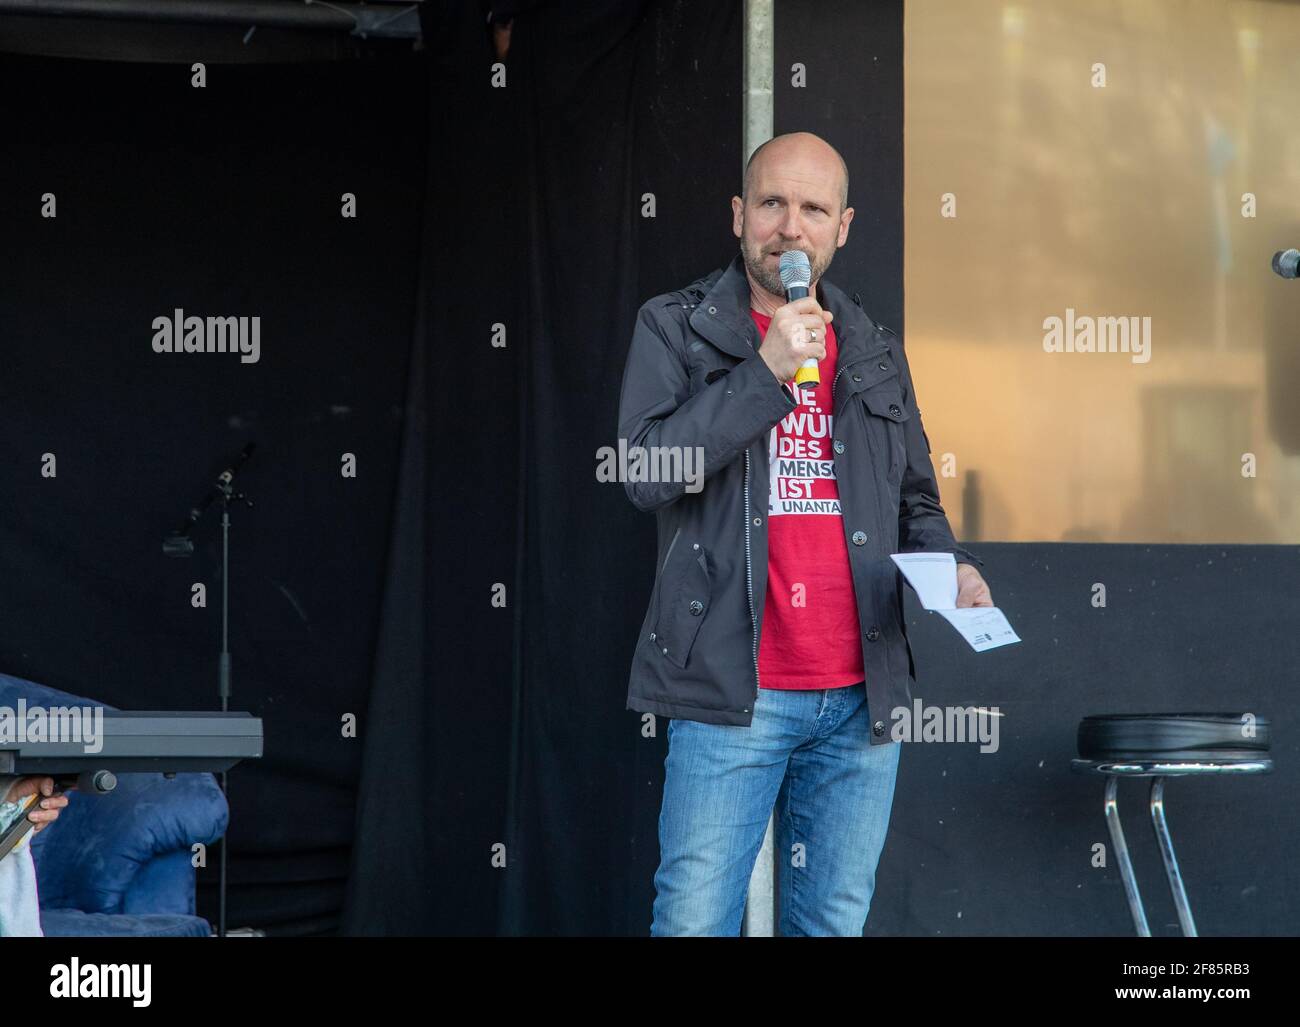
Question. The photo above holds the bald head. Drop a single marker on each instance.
(800, 153)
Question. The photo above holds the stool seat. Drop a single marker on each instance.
(1160, 745)
(1173, 737)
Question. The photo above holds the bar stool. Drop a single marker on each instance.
(1161, 745)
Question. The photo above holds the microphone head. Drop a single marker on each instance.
(794, 269)
(1286, 263)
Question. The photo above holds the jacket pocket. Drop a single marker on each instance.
(685, 591)
(888, 412)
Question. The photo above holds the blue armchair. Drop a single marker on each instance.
(119, 864)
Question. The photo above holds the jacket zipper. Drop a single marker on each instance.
(867, 432)
(749, 575)
(749, 583)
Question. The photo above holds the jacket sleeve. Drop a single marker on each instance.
(657, 409)
(922, 524)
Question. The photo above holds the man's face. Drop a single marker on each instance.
(792, 205)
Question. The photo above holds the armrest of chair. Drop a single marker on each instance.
(91, 856)
(165, 884)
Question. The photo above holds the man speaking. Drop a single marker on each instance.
(774, 638)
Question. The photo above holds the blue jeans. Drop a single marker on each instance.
(806, 755)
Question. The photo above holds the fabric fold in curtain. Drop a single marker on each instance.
(432, 787)
(506, 789)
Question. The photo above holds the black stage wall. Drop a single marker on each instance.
(220, 201)
(604, 103)
(491, 733)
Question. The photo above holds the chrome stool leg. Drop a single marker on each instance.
(1171, 861)
(1121, 854)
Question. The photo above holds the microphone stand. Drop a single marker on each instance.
(223, 672)
(179, 543)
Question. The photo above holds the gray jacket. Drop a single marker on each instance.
(694, 378)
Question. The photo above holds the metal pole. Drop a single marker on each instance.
(760, 908)
(1121, 854)
(1171, 862)
(223, 684)
(758, 71)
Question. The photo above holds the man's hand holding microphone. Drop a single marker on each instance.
(797, 334)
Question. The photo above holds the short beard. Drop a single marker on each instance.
(770, 278)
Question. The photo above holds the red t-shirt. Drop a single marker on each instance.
(810, 617)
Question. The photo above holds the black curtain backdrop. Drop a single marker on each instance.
(507, 724)
(431, 800)
(510, 213)
(649, 101)
(221, 201)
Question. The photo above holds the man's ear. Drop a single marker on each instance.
(737, 217)
(845, 220)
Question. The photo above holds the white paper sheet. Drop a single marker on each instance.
(933, 576)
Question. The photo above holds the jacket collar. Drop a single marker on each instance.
(723, 317)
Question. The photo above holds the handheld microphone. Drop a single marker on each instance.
(796, 276)
(1286, 263)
